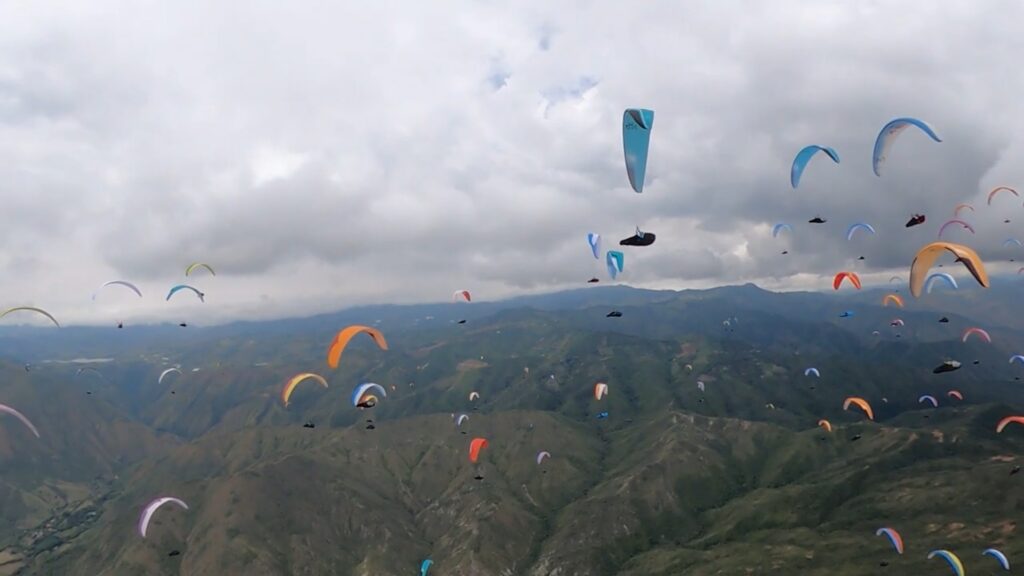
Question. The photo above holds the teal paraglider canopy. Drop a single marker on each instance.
(636, 139)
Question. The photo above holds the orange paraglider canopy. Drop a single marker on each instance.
(862, 404)
(475, 447)
(894, 298)
(927, 256)
(1014, 419)
(342, 338)
(851, 276)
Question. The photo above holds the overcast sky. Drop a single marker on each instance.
(324, 154)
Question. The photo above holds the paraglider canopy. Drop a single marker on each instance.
(291, 383)
(594, 241)
(893, 536)
(1004, 562)
(803, 157)
(147, 512)
(950, 558)
(475, 446)
(860, 403)
(889, 133)
(362, 396)
(193, 266)
(927, 256)
(343, 337)
(21, 417)
(615, 261)
(31, 309)
(851, 277)
(636, 140)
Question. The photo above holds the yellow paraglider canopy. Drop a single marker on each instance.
(927, 256)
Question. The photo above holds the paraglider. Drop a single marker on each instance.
(1011, 241)
(894, 538)
(817, 220)
(889, 132)
(949, 557)
(897, 322)
(700, 385)
(1008, 420)
(90, 370)
(613, 314)
(5, 409)
(291, 383)
(860, 403)
(858, 226)
(1017, 357)
(151, 508)
(947, 366)
(915, 220)
(965, 225)
(128, 285)
(779, 228)
(927, 256)
(202, 297)
(475, 446)
(460, 419)
(1000, 189)
(932, 279)
(955, 394)
(425, 566)
(594, 241)
(636, 139)
(193, 266)
(803, 157)
(31, 309)
(846, 314)
(813, 371)
(639, 239)
(1004, 562)
(851, 277)
(929, 398)
(474, 396)
(894, 299)
(981, 333)
(959, 207)
(361, 397)
(462, 295)
(615, 261)
(542, 455)
(825, 424)
(343, 337)
(160, 379)
(600, 390)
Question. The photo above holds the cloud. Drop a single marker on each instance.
(323, 156)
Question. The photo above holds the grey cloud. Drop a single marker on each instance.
(420, 149)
